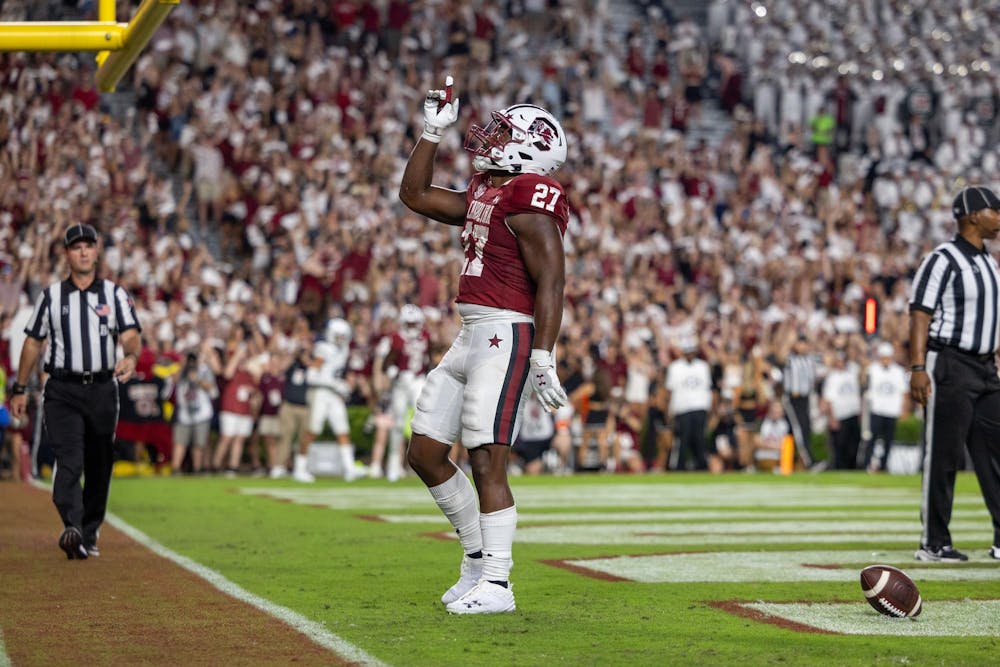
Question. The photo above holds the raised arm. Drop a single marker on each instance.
(415, 190)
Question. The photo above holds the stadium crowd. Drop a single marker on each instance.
(246, 191)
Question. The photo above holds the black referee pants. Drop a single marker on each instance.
(883, 430)
(964, 410)
(689, 440)
(797, 414)
(80, 425)
(845, 440)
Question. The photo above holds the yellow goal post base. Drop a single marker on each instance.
(117, 44)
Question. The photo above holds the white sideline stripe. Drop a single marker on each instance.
(311, 629)
(4, 658)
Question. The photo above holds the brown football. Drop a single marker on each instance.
(890, 591)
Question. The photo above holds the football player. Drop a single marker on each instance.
(510, 297)
(403, 358)
(328, 393)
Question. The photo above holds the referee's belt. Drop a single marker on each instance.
(81, 378)
(941, 347)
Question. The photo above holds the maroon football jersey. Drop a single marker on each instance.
(412, 352)
(494, 273)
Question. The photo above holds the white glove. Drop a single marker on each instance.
(545, 382)
(439, 113)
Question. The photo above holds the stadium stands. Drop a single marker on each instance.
(245, 176)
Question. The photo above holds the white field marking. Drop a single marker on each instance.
(646, 495)
(777, 525)
(4, 658)
(723, 535)
(951, 618)
(311, 629)
(732, 526)
(692, 515)
(774, 566)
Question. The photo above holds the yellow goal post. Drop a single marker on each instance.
(117, 44)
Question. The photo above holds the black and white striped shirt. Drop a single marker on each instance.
(83, 325)
(799, 375)
(959, 286)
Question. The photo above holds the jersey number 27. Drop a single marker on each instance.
(543, 192)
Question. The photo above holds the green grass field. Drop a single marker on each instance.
(609, 570)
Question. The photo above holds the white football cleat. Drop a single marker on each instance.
(304, 476)
(484, 598)
(300, 471)
(278, 472)
(471, 571)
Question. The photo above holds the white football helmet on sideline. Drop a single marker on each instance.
(338, 332)
(520, 139)
(411, 315)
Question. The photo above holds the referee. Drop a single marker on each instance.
(954, 317)
(85, 318)
(798, 379)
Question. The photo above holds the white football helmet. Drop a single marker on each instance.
(520, 139)
(338, 332)
(411, 314)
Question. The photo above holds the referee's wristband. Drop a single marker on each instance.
(918, 367)
(18, 389)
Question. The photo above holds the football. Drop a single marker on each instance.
(890, 591)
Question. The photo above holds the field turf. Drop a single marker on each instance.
(609, 569)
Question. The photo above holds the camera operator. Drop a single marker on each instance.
(293, 416)
(195, 392)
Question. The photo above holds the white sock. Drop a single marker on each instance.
(498, 539)
(301, 463)
(457, 499)
(347, 460)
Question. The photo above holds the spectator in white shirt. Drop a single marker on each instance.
(841, 402)
(689, 397)
(887, 387)
(773, 430)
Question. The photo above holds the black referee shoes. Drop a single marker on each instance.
(71, 541)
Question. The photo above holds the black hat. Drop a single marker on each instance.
(79, 233)
(974, 198)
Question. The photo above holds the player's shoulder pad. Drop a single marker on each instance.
(534, 193)
(523, 183)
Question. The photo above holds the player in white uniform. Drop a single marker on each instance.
(328, 392)
(403, 358)
(510, 298)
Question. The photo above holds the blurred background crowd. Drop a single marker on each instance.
(743, 176)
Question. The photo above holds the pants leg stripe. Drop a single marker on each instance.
(925, 486)
(522, 334)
